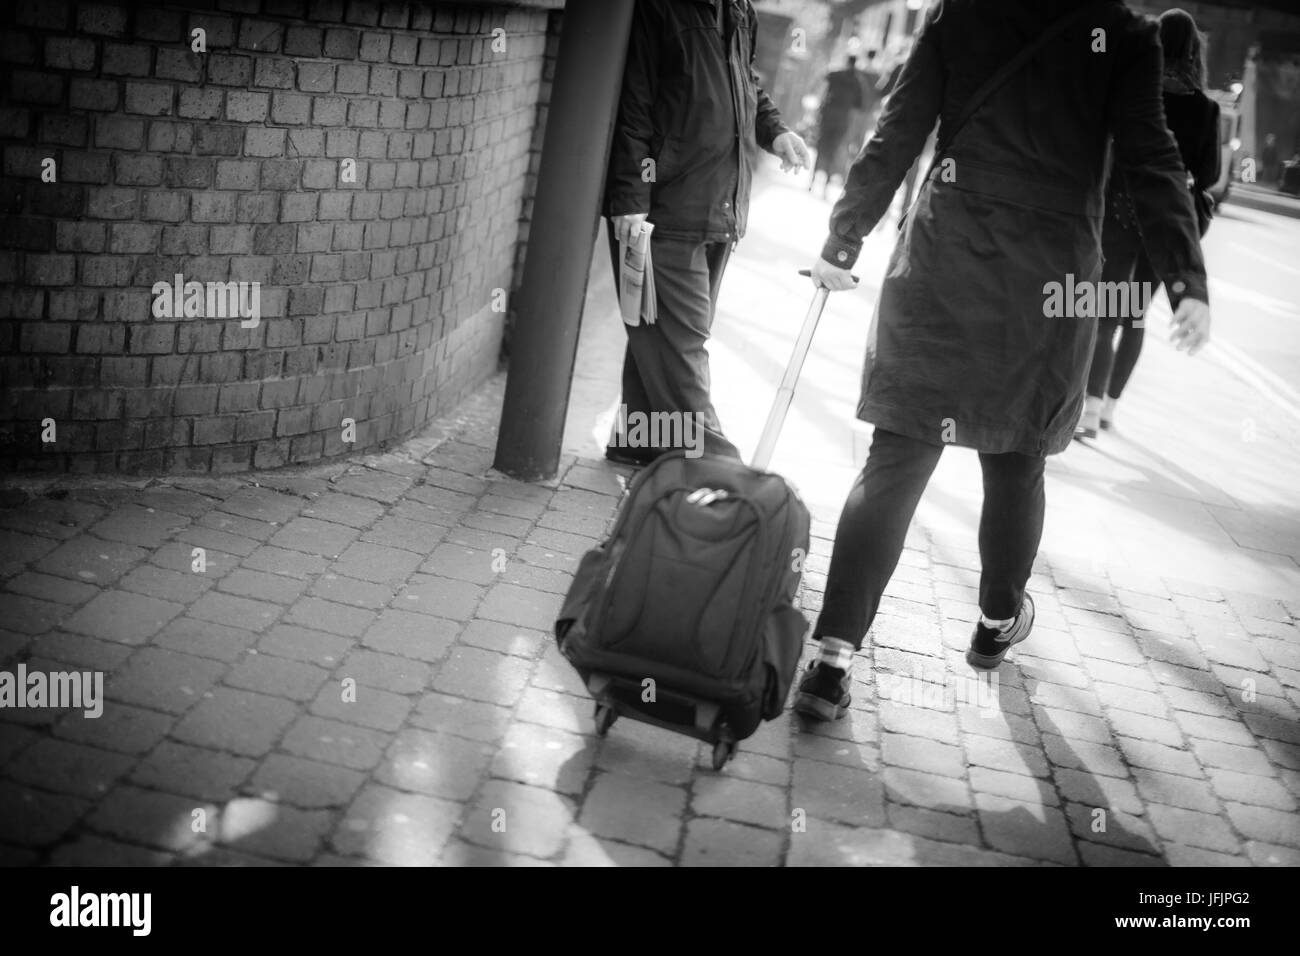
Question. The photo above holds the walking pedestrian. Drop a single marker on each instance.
(689, 109)
(1268, 160)
(842, 100)
(863, 118)
(1193, 118)
(1027, 94)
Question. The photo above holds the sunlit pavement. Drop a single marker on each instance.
(362, 672)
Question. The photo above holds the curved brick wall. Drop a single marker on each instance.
(376, 297)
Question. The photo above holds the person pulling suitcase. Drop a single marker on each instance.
(961, 349)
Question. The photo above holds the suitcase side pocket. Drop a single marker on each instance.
(782, 644)
(584, 592)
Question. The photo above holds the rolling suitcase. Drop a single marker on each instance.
(686, 617)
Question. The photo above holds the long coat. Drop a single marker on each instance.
(965, 346)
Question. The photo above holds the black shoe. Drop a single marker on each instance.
(988, 646)
(623, 456)
(823, 692)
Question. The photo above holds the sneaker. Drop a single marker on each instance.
(1107, 419)
(823, 692)
(1090, 420)
(989, 646)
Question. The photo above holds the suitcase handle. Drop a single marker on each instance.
(807, 274)
(785, 394)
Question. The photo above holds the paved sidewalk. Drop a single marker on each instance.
(363, 671)
(1265, 198)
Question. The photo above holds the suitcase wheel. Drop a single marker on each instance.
(723, 751)
(605, 717)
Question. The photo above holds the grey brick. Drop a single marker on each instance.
(237, 721)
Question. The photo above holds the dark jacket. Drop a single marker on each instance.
(689, 106)
(961, 348)
(1193, 118)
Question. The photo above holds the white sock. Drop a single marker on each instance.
(836, 652)
(996, 625)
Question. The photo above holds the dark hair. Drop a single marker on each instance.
(1184, 45)
(852, 60)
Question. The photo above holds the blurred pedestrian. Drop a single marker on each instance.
(864, 118)
(1193, 118)
(689, 109)
(1268, 155)
(960, 350)
(842, 100)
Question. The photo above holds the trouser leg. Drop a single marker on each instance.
(1011, 527)
(1103, 358)
(871, 532)
(1130, 343)
(666, 366)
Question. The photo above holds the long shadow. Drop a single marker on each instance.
(1156, 479)
(1088, 793)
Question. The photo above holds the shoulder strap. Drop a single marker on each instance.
(1008, 69)
(1001, 75)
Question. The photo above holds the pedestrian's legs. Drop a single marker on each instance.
(1121, 251)
(1130, 343)
(871, 532)
(1011, 526)
(669, 357)
(1103, 358)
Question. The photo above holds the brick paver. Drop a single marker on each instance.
(365, 673)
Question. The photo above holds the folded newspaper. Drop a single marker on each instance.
(636, 287)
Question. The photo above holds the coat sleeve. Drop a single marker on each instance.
(1210, 157)
(626, 192)
(768, 124)
(1148, 157)
(909, 116)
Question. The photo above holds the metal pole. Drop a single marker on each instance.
(566, 215)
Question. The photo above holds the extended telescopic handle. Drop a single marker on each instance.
(785, 394)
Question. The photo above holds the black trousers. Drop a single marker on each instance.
(666, 365)
(873, 526)
(1126, 261)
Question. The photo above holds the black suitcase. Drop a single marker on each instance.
(686, 617)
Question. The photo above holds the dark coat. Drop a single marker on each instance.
(960, 349)
(1193, 118)
(843, 97)
(689, 105)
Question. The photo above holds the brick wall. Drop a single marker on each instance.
(376, 296)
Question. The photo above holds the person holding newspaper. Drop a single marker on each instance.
(689, 110)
